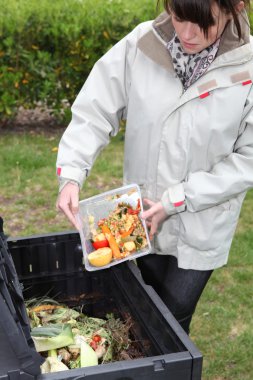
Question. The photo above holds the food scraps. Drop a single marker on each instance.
(69, 339)
(117, 236)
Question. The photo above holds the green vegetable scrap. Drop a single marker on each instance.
(52, 336)
(88, 356)
(69, 339)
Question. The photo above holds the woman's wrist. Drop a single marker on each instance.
(64, 181)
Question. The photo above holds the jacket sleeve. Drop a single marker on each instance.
(228, 178)
(97, 110)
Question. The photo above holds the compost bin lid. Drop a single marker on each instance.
(17, 350)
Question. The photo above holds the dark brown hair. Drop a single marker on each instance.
(200, 11)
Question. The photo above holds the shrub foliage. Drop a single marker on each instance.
(47, 48)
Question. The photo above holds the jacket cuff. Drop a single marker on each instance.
(173, 199)
(72, 174)
(64, 181)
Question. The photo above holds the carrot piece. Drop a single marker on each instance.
(39, 308)
(128, 232)
(112, 242)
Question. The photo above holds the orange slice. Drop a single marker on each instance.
(100, 257)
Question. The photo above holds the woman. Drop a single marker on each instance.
(184, 84)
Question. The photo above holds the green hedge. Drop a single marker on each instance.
(48, 47)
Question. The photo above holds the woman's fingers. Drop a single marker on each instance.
(153, 228)
(67, 211)
(155, 207)
(153, 216)
(68, 202)
(148, 202)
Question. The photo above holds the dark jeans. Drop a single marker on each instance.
(179, 289)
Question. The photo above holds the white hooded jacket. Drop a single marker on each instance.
(194, 145)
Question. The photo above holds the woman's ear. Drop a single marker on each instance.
(239, 7)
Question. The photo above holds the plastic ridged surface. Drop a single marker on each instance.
(169, 355)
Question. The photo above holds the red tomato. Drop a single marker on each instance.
(137, 210)
(93, 345)
(133, 212)
(96, 338)
(100, 244)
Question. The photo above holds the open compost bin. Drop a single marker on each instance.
(52, 265)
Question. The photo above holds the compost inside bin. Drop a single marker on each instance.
(52, 266)
(69, 338)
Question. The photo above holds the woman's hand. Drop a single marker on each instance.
(153, 216)
(68, 202)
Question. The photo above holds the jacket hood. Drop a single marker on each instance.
(154, 42)
(162, 25)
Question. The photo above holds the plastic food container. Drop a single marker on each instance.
(94, 212)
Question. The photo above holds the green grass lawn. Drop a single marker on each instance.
(222, 327)
(28, 184)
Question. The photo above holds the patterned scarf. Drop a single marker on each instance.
(190, 67)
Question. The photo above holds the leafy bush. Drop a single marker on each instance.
(47, 48)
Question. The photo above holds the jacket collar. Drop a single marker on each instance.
(154, 42)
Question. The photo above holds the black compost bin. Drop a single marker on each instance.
(52, 265)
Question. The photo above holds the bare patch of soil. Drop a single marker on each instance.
(37, 120)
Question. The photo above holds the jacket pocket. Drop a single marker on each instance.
(166, 240)
(210, 228)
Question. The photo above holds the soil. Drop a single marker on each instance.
(37, 120)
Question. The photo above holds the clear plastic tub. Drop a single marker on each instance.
(93, 209)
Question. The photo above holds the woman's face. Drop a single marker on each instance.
(192, 38)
